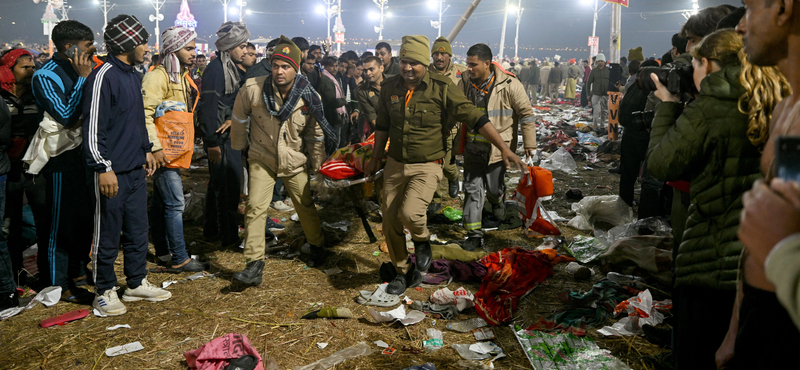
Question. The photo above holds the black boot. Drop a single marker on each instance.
(318, 256)
(452, 188)
(252, 273)
(422, 250)
(9, 300)
(410, 280)
(472, 243)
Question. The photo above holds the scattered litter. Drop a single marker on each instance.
(579, 272)
(555, 217)
(453, 214)
(47, 296)
(630, 280)
(199, 275)
(120, 326)
(406, 318)
(425, 366)
(330, 313)
(341, 226)
(435, 340)
(165, 284)
(334, 271)
(322, 345)
(389, 351)
(467, 325)
(483, 347)
(479, 351)
(361, 349)
(641, 311)
(574, 194)
(562, 161)
(461, 297)
(223, 349)
(407, 300)
(381, 344)
(585, 248)
(483, 334)
(376, 253)
(124, 349)
(65, 318)
(547, 351)
(97, 313)
(608, 208)
(650, 226)
(295, 217)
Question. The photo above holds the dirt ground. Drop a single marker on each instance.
(270, 314)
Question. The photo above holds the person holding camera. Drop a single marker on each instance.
(706, 144)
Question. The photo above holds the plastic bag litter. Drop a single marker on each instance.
(641, 310)
(341, 226)
(589, 139)
(646, 255)
(47, 296)
(359, 350)
(560, 160)
(585, 248)
(478, 351)
(461, 297)
(547, 351)
(656, 226)
(607, 208)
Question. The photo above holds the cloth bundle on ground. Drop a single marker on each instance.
(348, 161)
(443, 270)
(534, 186)
(216, 354)
(589, 310)
(512, 273)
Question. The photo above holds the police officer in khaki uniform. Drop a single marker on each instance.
(369, 89)
(442, 54)
(413, 112)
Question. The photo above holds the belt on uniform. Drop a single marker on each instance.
(438, 161)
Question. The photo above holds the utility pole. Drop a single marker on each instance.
(339, 22)
(503, 34)
(463, 20)
(516, 38)
(616, 32)
(225, 6)
(104, 6)
(438, 25)
(157, 4)
(383, 5)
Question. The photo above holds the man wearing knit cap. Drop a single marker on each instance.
(220, 85)
(597, 88)
(442, 54)
(411, 116)
(170, 82)
(285, 138)
(635, 54)
(573, 71)
(116, 149)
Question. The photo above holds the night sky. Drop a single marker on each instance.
(546, 24)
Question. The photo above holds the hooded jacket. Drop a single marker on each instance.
(507, 107)
(708, 146)
(114, 132)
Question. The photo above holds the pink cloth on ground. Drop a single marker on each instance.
(216, 354)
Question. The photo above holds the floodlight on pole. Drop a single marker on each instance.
(105, 8)
(382, 5)
(329, 10)
(438, 4)
(518, 11)
(506, 8)
(594, 25)
(158, 17)
(225, 6)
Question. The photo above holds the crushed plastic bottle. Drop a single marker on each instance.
(468, 325)
(435, 340)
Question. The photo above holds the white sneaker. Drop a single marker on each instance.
(146, 291)
(281, 206)
(108, 303)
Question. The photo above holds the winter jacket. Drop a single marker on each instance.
(284, 147)
(524, 74)
(544, 75)
(59, 92)
(393, 69)
(215, 106)
(708, 146)
(453, 71)
(556, 75)
(157, 88)
(533, 79)
(114, 132)
(597, 83)
(573, 72)
(25, 119)
(508, 107)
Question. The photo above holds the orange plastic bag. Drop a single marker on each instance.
(538, 183)
(175, 131)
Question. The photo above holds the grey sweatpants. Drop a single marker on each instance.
(480, 179)
(599, 111)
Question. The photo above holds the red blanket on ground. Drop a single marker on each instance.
(216, 354)
(512, 273)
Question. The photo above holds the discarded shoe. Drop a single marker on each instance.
(147, 292)
(453, 188)
(281, 206)
(472, 243)
(252, 273)
(445, 311)
(379, 298)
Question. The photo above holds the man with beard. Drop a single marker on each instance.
(116, 150)
(220, 85)
(170, 81)
(287, 130)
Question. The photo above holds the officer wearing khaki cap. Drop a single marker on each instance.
(413, 112)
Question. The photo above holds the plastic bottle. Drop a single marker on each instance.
(621, 279)
(435, 340)
(468, 325)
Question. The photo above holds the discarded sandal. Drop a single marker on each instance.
(378, 298)
(65, 318)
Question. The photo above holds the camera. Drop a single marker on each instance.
(678, 79)
(643, 119)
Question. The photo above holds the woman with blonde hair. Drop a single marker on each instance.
(706, 143)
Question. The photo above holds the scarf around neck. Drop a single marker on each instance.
(339, 91)
(301, 89)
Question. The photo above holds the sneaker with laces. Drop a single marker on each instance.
(281, 206)
(146, 291)
(273, 226)
(108, 303)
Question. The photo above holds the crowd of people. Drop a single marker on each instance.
(706, 135)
